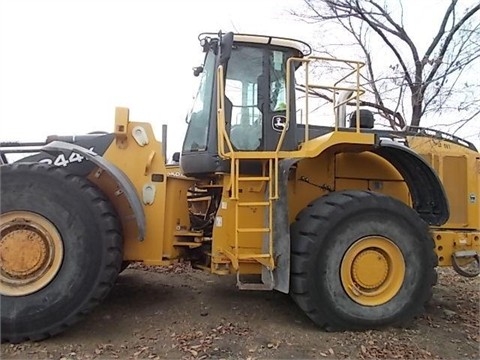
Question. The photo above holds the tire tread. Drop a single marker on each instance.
(306, 240)
(111, 230)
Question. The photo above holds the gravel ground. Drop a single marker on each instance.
(181, 313)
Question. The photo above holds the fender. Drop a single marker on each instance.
(119, 176)
(427, 191)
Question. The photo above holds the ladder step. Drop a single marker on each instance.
(253, 178)
(209, 186)
(264, 259)
(190, 244)
(254, 286)
(188, 233)
(253, 203)
(253, 256)
(253, 230)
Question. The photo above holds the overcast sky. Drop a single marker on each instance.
(65, 65)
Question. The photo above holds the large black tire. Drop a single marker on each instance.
(92, 249)
(326, 230)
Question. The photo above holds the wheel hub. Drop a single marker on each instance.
(23, 252)
(31, 252)
(372, 270)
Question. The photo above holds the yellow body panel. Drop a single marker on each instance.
(459, 170)
(134, 160)
(144, 164)
(344, 171)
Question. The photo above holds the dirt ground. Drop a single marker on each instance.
(180, 313)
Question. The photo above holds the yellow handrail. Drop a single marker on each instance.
(222, 136)
(357, 90)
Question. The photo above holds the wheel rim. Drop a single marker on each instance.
(372, 270)
(31, 253)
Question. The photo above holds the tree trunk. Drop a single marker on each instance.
(417, 105)
(416, 115)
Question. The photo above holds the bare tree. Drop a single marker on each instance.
(434, 81)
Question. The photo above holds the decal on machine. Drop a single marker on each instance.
(62, 160)
(279, 122)
(176, 174)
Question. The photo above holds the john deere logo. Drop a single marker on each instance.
(279, 122)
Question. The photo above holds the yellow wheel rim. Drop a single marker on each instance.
(372, 270)
(31, 253)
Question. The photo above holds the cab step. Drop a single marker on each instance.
(263, 284)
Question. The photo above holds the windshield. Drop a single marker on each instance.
(198, 119)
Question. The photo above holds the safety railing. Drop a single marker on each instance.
(344, 90)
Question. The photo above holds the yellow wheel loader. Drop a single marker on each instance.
(351, 220)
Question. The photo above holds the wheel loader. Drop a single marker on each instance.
(350, 220)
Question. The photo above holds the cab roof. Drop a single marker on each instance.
(299, 45)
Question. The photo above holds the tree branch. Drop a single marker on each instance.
(441, 31)
(447, 42)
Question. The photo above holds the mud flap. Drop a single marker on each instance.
(281, 229)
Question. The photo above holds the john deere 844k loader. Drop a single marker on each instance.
(350, 220)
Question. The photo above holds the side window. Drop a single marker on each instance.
(277, 81)
(234, 91)
(241, 88)
(243, 96)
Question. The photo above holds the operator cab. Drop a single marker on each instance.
(255, 78)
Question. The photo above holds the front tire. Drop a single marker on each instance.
(61, 250)
(361, 260)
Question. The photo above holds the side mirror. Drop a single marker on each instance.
(197, 70)
(226, 44)
(176, 157)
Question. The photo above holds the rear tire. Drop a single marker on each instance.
(361, 260)
(88, 240)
